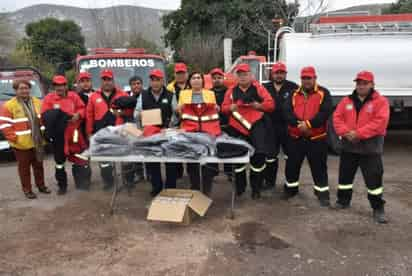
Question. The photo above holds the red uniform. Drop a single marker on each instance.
(200, 117)
(99, 113)
(66, 137)
(371, 121)
(243, 119)
(74, 141)
(308, 108)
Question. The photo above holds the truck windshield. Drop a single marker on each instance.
(123, 69)
(7, 92)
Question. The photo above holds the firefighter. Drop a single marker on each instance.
(158, 97)
(280, 89)
(136, 86)
(361, 120)
(218, 77)
(199, 113)
(307, 111)
(102, 112)
(181, 80)
(245, 105)
(62, 112)
(21, 126)
(85, 87)
(180, 83)
(134, 171)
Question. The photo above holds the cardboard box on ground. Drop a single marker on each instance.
(178, 206)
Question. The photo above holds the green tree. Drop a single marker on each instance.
(246, 22)
(401, 6)
(57, 42)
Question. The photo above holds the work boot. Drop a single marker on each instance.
(379, 216)
(341, 206)
(256, 194)
(62, 191)
(324, 202)
(288, 195)
(30, 195)
(44, 190)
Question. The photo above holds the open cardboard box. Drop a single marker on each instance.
(178, 205)
(151, 117)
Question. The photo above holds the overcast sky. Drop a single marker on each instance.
(6, 5)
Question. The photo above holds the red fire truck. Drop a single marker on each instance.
(125, 64)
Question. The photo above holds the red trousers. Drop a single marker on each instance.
(25, 160)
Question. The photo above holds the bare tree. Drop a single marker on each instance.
(314, 8)
(203, 52)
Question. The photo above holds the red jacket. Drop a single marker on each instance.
(74, 141)
(99, 114)
(371, 121)
(243, 119)
(199, 117)
(314, 109)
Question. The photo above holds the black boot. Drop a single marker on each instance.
(256, 184)
(106, 171)
(379, 216)
(81, 176)
(61, 177)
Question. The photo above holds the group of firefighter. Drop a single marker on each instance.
(279, 116)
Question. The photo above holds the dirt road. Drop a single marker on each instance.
(75, 235)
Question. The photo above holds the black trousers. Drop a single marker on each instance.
(209, 171)
(372, 170)
(257, 167)
(81, 173)
(317, 154)
(60, 160)
(154, 170)
(272, 160)
(130, 170)
(107, 173)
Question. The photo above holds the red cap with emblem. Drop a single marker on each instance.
(106, 73)
(59, 80)
(156, 73)
(308, 72)
(84, 75)
(279, 67)
(217, 71)
(365, 76)
(180, 67)
(243, 67)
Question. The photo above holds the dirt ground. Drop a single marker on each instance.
(75, 235)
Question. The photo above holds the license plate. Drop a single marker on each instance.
(4, 145)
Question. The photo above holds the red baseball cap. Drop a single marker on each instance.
(243, 67)
(59, 80)
(156, 73)
(106, 73)
(217, 71)
(365, 76)
(308, 72)
(84, 75)
(279, 66)
(180, 67)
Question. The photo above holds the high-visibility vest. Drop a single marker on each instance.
(200, 117)
(15, 125)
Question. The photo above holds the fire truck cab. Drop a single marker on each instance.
(125, 64)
